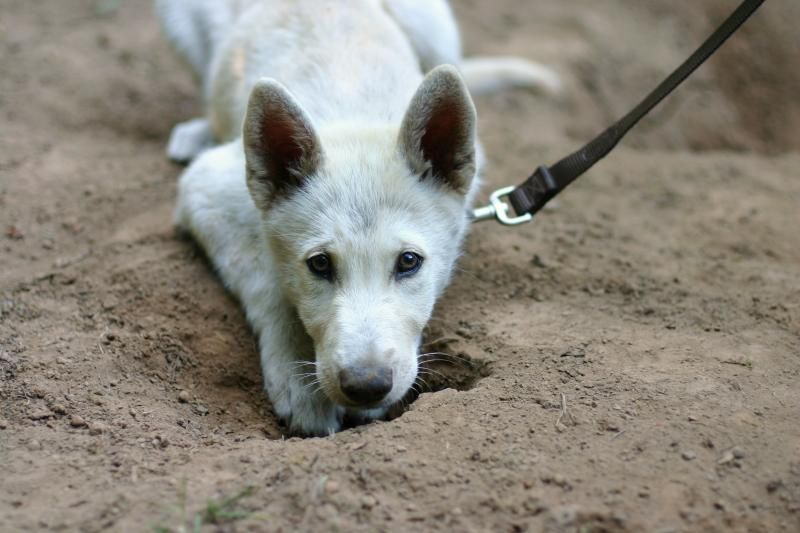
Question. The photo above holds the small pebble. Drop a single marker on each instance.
(97, 428)
(774, 485)
(692, 418)
(737, 452)
(34, 445)
(183, 396)
(59, 409)
(689, 455)
(3, 424)
(354, 446)
(726, 458)
(328, 510)
(41, 414)
(76, 421)
(331, 487)
(38, 391)
(368, 502)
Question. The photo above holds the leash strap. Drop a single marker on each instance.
(545, 183)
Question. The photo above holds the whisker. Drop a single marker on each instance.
(432, 372)
(451, 358)
(304, 363)
(404, 404)
(308, 385)
(435, 361)
(424, 382)
(304, 375)
(442, 353)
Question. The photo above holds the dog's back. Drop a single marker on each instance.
(343, 61)
(359, 54)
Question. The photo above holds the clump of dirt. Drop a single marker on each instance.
(627, 362)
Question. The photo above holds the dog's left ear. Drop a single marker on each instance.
(281, 147)
(437, 135)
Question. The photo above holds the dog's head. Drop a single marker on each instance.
(365, 224)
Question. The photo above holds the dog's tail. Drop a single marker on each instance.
(489, 74)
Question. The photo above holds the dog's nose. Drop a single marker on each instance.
(366, 384)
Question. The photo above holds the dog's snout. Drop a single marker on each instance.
(366, 385)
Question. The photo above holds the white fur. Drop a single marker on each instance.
(198, 29)
(489, 74)
(346, 150)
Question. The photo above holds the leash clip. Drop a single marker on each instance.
(499, 209)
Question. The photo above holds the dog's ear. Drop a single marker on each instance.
(280, 145)
(437, 135)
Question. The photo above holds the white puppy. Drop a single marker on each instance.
(337, 212)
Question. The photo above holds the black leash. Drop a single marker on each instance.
(545, 183)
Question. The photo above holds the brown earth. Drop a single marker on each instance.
(660, 300)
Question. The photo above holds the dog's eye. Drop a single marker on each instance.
(320, 265)
(408, 263)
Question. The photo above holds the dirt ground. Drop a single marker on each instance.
(660, 300)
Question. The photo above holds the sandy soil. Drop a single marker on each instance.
(661, 300)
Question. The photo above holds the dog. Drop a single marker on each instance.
(331, 182)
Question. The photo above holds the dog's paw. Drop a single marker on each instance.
(189, 139)
(357, 417)
(305, 413)
(314, 418)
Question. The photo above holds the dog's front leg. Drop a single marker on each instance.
(291, 381)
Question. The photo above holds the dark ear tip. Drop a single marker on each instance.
(447, 74)
(446, 81)
(445, 68)
(266, 88)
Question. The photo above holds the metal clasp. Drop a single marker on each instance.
(499, 209)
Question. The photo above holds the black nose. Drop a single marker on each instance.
(366, 385)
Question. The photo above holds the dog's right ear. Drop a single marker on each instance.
(437, 135)
(280, 145)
